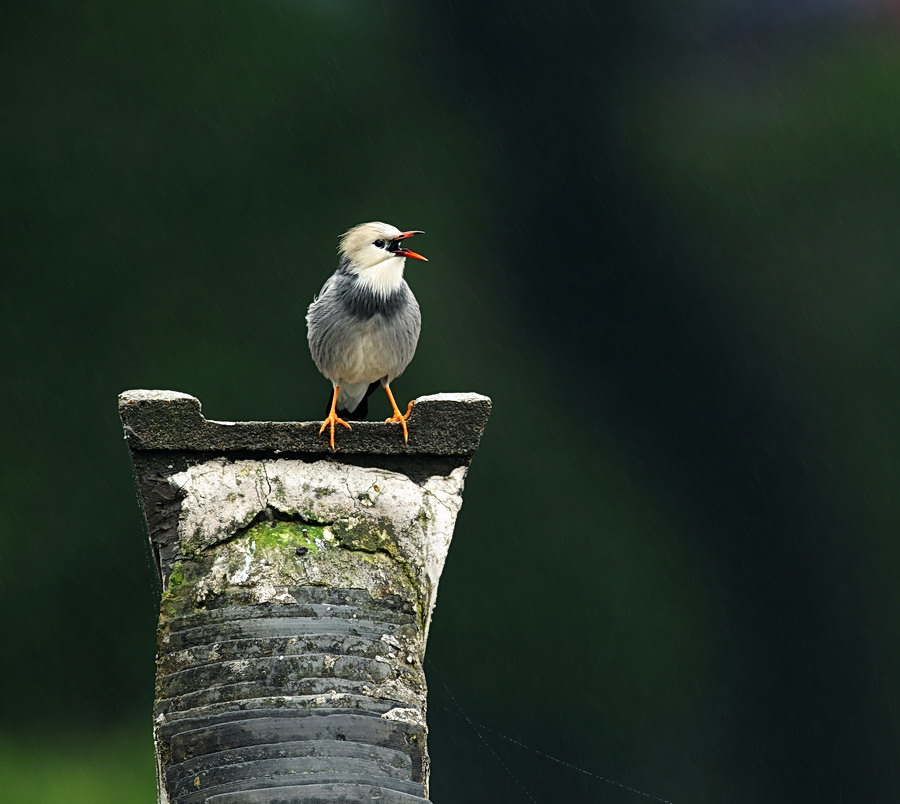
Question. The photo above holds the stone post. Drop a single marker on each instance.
(298, 587)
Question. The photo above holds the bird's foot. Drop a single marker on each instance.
(331, 420)
(401, 417)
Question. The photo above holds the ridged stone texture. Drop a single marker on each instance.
(313, 700)
(297, 592)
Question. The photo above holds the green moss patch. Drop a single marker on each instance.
(280, 535)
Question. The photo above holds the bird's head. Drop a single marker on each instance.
(372, 245)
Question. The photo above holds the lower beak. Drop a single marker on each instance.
(404, 252)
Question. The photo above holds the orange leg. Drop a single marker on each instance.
(398, 416)
(332, 419)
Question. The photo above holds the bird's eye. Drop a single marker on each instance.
(378, 244)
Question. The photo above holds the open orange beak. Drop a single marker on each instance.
(397, 249)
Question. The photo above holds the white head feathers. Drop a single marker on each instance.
(365, 247)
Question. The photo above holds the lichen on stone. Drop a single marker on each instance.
(330, 524)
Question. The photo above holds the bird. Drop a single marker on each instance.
(363, 326)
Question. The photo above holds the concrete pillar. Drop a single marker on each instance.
(298, 587)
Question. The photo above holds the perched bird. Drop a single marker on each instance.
(364, 324)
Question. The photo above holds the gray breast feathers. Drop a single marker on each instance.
(359, 336)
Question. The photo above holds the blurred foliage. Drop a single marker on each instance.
(95, 767)
(662, 240)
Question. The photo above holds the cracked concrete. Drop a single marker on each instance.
(298, 588)
(379, 510)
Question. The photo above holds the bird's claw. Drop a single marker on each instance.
(332, 419)
(401, 417)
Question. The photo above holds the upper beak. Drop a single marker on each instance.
(404, 252)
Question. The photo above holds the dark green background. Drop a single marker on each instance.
(663, 238)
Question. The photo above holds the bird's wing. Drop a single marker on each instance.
(405, 327)
(317, 324)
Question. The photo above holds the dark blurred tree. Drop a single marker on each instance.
(665, 237)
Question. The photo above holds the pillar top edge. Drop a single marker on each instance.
(440, 424)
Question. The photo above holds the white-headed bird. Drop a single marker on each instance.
(364, 324)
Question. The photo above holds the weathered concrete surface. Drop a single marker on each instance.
(349, 507)
(440, 424)
(298, 589)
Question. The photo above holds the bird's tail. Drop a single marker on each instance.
(360, 410)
